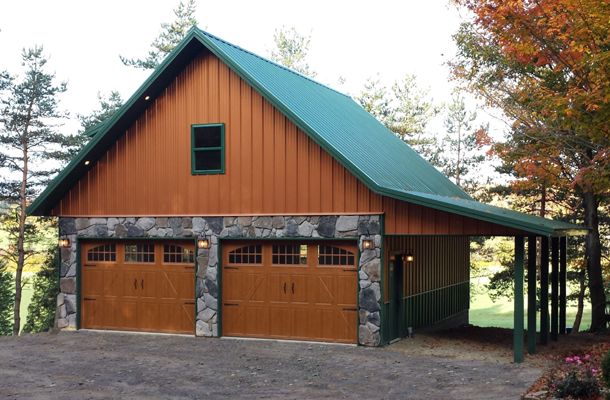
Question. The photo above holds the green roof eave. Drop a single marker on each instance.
(45, 200)
(486, 212)
(462, 204)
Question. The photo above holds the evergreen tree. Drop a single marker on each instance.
(405, 109)
(6, 300)
(291, 49)
(108, 105)
(30, 147)
(461, 147)
(171, 34)
(41, 311)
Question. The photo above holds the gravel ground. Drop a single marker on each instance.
(109, 365)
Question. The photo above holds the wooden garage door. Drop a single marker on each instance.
(138, 286)
(286, 290)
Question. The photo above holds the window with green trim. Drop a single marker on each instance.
(208, 149)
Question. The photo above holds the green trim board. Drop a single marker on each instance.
(198, 150)
(382, 161)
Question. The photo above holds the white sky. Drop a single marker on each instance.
(352, 39)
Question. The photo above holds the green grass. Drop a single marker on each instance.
(487, 313)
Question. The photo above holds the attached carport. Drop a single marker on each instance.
(552, 236)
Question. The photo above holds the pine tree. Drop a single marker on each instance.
(171, 34)
(461, 147)
(29, 151)
(108, 105)
(291, 49)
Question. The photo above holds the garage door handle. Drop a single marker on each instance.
(142, 284)
(284, 287)
(292, 287)
(135, 283)
(189, 302)
(89, 298)
(230, 304)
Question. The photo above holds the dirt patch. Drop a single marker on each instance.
(95, 365)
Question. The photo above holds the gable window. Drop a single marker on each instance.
(208, 149)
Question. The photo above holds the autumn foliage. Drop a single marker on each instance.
(546, 65)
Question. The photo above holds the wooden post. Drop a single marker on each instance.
(518, 294)
(544, 290)
(531, 294)
(562, 284)
(554, 288)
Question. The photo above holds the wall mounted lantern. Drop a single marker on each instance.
(64, 242)
(409, 257)
(203, 243)
(368, 244)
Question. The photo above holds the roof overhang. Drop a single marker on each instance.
(106, 133)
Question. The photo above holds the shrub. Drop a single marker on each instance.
(577, 385)
(7, 300)
(606, 369)
(41, 311)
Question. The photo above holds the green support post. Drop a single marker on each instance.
(562, 285)
(531, 294)
(544, 290)
(518, 312)
(554, 288)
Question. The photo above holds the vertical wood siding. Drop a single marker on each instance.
(403, 218)
(436, 284)
(271, 166)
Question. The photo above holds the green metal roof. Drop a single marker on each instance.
(385, 163)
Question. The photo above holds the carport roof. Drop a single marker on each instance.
(385, 163)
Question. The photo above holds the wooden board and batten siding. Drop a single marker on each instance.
(436, 284)
(272, 167)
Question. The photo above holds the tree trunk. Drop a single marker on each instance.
(581, 301)
(593, 258)
(20, 243)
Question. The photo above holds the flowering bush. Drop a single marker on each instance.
(580, 378)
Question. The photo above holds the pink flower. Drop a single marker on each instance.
(569, 359)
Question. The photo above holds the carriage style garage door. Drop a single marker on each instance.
(139, 286)
(286, 290)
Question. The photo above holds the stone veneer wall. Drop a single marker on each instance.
(215, 228)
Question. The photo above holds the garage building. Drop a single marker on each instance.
(231, 196)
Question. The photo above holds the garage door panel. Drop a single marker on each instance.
(323, 291)
(139, 295)
(345, 291)
(277, 321)
(176, 284)
(278, 288)
(233, 322)
(257, 320)
(112, 282)
(299, 288)
(296, 299)
(90, 286)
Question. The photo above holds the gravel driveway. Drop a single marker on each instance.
(109, 365)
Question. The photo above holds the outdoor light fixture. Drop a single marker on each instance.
(409, 257)
(203, 243)
(64, 242)
(87, 162)
(147, 98)
(368, 244)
